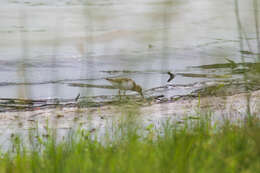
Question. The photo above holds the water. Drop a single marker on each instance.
(45, 45)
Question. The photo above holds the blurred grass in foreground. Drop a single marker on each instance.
(195, 146)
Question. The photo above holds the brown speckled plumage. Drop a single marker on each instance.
(125, 84)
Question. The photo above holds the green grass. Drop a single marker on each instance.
(196, 147)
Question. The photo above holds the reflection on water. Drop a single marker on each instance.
(47, 44)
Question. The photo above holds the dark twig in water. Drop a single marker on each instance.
(77, 98)
(172, 76)
(232, 63)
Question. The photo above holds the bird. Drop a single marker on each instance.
(125, 84)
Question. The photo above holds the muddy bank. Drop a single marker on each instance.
(233, 107)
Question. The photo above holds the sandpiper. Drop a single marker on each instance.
(125, 84)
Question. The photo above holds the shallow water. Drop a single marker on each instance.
(45, 45)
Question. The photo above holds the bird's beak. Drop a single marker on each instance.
(141, 94)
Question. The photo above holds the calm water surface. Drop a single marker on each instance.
(45, 45)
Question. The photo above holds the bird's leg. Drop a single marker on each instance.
(124, 92)
(141, 95)
(119, 94)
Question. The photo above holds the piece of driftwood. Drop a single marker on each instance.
(17, 104)
(91, 86)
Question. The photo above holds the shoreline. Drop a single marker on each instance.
(220, 107)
